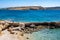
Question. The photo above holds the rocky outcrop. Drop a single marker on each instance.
(46, 24)
(27, 27)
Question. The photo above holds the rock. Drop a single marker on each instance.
(27, 27)
(27, 38)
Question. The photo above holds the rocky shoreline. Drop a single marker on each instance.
(27, 27)
(23, 31)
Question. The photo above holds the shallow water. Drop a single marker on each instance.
(47, 34)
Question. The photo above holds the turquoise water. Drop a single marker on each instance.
(35, 16)
(47, 34)
(30, 15)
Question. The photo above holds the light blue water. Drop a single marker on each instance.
(35, 16)
(30, 15)
(47, 34)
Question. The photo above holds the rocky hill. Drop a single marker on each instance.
(31, 8)
(24, 8)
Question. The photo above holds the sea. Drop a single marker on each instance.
(30, 15)
(35, 16)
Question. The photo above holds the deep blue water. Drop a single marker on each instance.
(30, 15)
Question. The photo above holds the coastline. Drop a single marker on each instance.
(23, 31)
(27, 27)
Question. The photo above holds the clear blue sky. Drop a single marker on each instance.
(14, 3)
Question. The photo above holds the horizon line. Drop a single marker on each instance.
(28, 6)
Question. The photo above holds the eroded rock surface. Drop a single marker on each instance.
(17, 31)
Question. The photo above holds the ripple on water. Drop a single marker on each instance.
(47, 34)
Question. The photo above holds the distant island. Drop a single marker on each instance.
(24, 8)
(31, 8)
(53, 8)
